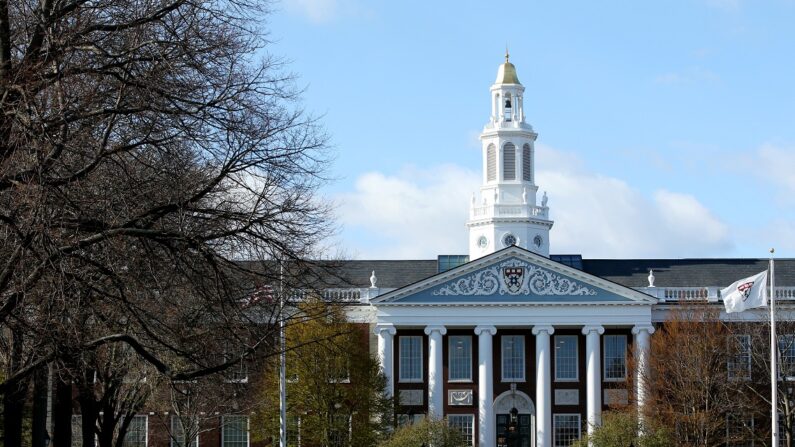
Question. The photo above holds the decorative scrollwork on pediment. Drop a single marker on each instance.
(514, 277)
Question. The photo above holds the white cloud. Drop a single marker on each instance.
(689, 75)
(420, 213)
(324, 11)
(416, 213)
(775, 164)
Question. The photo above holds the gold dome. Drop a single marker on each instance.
(506, 74)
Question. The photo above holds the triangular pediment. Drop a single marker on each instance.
(513, 276)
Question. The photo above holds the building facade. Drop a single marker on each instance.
(511, 335)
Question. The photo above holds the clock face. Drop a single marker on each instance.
(483, 242)
(509, 240)
(538, 241)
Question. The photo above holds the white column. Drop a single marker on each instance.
(386, 335)
(642, 343)
(543, 386)
(593, 374)
(435, 371)
(485, 385)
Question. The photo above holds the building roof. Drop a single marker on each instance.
(687, 272)
(627, 272)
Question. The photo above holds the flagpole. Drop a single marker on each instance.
(773, 353)
(282, 365)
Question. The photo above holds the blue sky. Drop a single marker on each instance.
(666, 129)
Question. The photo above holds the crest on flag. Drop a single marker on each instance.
(745, 289)
(512, 276)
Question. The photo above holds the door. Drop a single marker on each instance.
(518, 435)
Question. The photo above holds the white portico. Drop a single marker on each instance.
(514, 348)
(509, 301)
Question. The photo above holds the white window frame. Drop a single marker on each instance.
(349, 418)
(730, 369)
(404, 419)
(579, 425)
(223, 428)
(576, 340)
(172, 441)
(450, 351)
(469, 417)
(788, 345)
(735, 418)
(604, 357)
(502, 359)
(297, 430)
(401, 375)
(146, 430)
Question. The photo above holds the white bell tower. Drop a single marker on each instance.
(507, 213)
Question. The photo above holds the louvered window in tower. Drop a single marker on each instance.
(491, 163)
(509, 162)
(527, 174)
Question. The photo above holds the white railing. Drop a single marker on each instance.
(509, 211)
(711, 294)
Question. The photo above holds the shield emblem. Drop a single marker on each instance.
(512, 276)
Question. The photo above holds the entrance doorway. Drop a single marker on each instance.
(514, 419)
(514, 433)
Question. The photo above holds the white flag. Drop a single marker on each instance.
(746, 293)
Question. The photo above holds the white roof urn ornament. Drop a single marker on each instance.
(373, 279)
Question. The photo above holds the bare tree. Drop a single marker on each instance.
(143, 153)
(690, 388)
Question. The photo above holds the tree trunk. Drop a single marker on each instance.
(38, 430)
(62, 414)
(88, 407)
(14, 398)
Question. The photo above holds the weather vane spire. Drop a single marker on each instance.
(507, 55)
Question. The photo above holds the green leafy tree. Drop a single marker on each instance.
(621, 429)
(335, 387)
(426, 433)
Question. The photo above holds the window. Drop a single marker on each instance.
(527, 158)
(410, 358)
(565, 429)
(237, 373)
(565, 357)
(178, 433)
(340, 430)
(234, 431)
(447, 262)
(615, 357)
(739, 431)
(460, 357)
(512, 358)
(739, 363)
(136, 433)
(293, 431)
(339, 370)
(465, 423)
(408, 419)
(491, 163)
(77, 431)
(786, 348)
(509, 162)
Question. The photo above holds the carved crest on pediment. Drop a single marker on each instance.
(514, 277)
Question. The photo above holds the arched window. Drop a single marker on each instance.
(491, 163)
(527, 173)
(507, 111)
(509, 162)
